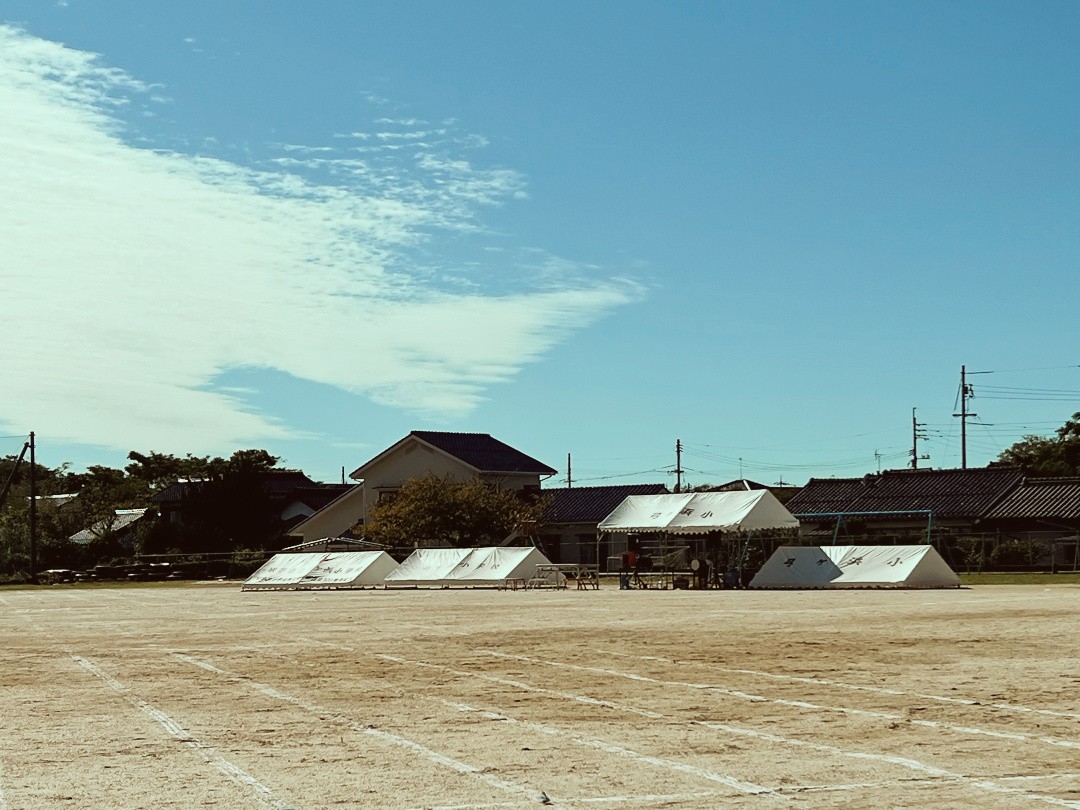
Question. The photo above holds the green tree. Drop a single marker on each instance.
(431, 510)
(1054, 455)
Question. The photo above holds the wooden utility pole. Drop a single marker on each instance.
(33, 511)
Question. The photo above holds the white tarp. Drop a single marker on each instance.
(444, 567)
(490, 566)
(283, 570)
(700, 512)
(427, 566)
(349, 569)
(322, 569)
(855, 567)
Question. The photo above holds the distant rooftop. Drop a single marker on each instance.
(591, 504)
(967, 493)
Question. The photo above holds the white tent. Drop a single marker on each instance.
(855, 567)
(700, 512)
(338, 569)
(427, 566)
(283, 570)
(349, 569)
(490, 566)
(462, 567)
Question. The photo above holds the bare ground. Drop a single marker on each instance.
(209, 697)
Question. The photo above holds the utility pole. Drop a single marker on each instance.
(915, 436)
(678, 465)
(33, 512)
(569, 476)
(966, 392)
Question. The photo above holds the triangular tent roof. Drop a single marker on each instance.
(349, 569)
(334, 569)
(699, 512)
(283, 570)
(443, 567)
(490, 566)
(427, 566)
(855, 567)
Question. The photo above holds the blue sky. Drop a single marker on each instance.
(769, 230)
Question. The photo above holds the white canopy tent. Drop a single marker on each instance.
(283, 571)
(349, 569)
(699, 513)
(336, 569)
(465, 567)
(491, 566)
(427, 566)
(856, 567)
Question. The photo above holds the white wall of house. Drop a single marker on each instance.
(333, 520)
(386, 475)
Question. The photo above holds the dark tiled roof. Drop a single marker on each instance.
(948, 493)
(276, 482)
(484, 452)
(591, 504)
(1046, 498)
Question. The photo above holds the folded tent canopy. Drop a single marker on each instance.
(856, 567)
(464, 567)
(335, 569)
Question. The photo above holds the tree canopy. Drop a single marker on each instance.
(1048, 455)
(228, 508)
(431, 510)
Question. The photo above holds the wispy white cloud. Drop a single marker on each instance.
(132, 278)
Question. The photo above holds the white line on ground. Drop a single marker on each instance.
(747, 788)
(3, 801)
(798, 704)
(523, 686)
(903, 762)
(263, 794)
(881, 690)
(386, 736)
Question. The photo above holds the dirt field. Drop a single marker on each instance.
(204, 696)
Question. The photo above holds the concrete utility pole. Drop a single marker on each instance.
(915, 436)
(569, 476)
(678, 465)
(966, 391)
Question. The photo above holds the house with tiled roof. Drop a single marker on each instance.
(572, 515)
(1043, 505)
(902, 503)
(455, 456)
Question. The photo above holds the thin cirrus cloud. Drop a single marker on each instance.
(133, 278)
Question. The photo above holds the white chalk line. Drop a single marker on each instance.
(881, 690)
(387, 737)
(514, 684)
(799, 704)
(738, 785)
(263, 794)
(903, 762)
(607, 704)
